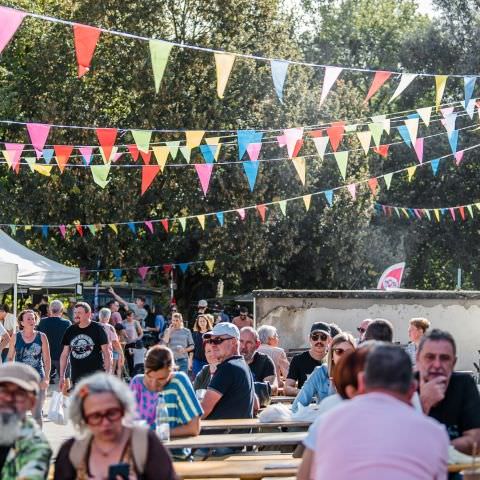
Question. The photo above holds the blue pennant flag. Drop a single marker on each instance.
(469, 86)
(220, 218)
(329, 196)
(413, 115)
(208, 152)
(443, 210)
(131, 226)
(453, 140)
(403, 131)
(279, 73)
(244, 138)
(48, 154)
(117, 273)
(44, 231)
(251, 171)
(434, 164)
(411, 213)
(183, 266)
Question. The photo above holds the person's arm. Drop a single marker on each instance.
(290, 387)
(188, 429)
(166, 335)
(272, 380)
(158, 464)
(11, 348)
(64, 470)
(283, 365)
(190, 345)
(466, 442)
(306, 393)
(5, 340)
(63, 366)
(118, 348)
(304, 471)
(107, 364)
(138, 328)
(211, 398)
(270, 375)
(46, 361)
(33, 460)
(118, 298)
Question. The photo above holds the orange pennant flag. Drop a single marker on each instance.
(335, 134)
(382, 150)
(262, 210)
(149, 172)
(62, 154)
(380, 78)
(85, 39)
(373, 185)
(107, 137)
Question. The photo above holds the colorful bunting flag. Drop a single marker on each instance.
(142, 271)
(405, 80)
(459, 157)
(434, 164)
(223, 64)
(164, 223)
(365, 138)
(204, 172)
(382, 150)
(201, 221)
(253, 151)
(380, 78)
(241, 213)
(279, 70)
(208, 152)
(106, 138)
(62, 154)
(215, 146)
(220, 218)
(331, 75)
(283, 207)
(373, 185)
(377, 130)
(411, 172)
(469, 86)
(440, 82)
(38, 133)
(86, 154)
(173, 148)
(210, 264)
(403, 131)
(299, 164)
(31, 161)
(419, 149)
(262, 209)
(335, 134)
(159, 53)
(194, 138)
(142, 139)
(43, 169)
(16, 149)
(161, 155)
(85, 39)
(329, 196)
(425, 114)
(412, 127)
(321, 145)
(342, 160)
(100, 174)
(10, 20)
(291, 137)
(453, 140)
(306, 200)
(251, 171)
(149, 172)
(352, 188)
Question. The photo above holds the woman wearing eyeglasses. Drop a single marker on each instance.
(319, 382)
(100, 408)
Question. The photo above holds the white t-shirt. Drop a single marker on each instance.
(10, 322)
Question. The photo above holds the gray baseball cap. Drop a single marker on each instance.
(20, 374)
(223, 328)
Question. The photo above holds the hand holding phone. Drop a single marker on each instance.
(119, 471)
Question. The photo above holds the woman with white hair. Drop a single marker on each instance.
(269, 340)
(114, 346)
(101, 407)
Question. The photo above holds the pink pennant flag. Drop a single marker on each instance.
(86, 154)
(292, 136)
(204, 172)
(149, 225)
(419, 149)
(241, 213)
(418, 213)
(253, 150)
(447, 111)
(38, 136)
(116, 156)
(380, 78)
(10, 20)
(63, 230)
(142, 271)
(352, 188)
(459, 157)
(17, 149)
(452, 213)
(281, 140)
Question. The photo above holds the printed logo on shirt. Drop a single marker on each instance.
(31, 355)
(81, 346)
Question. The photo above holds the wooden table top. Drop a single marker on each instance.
(282, 399)
(237, 423)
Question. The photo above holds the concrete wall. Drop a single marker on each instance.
(293, 312)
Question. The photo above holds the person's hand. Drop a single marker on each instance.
(44, 384)
(432, 392)
(110, 290)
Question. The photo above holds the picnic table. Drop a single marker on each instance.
(254, 423)
(282, 399)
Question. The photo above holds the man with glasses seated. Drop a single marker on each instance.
(303, 364)
(24, 450)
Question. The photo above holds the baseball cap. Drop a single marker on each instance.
(224, 328)
(20, 374)
(320, 327)
(202, 303)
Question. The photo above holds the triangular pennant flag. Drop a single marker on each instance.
(38, 133)
(78, 227)
(13, 228)
(208, 152)
(183, 222)
(194, 138)
(434, 164)
(31, 161)
(335, 134)
(297, 148)
(440, 82)
(419, 149)
(204, 172)
(146, 156)
(173, 148)
(142, 271)
(342, 160)
(112, 154)
(459, 157)
(373, 185)
(329, 196)
(425, 114)
(167, 269)
(86, 154)
(48, 154)
(142, 139)
(10, 19)
(321, 145)
(186, 152)
(470, 108)
(452, 213)
(16, 149)
(245, 138)
(161, 155)
(262, 209)
(377, 130)
(223, 65)
(220, 218)
(149, 172)
(113, 226)
(470, 210)
(63, 230)
(469, 83)
(380, 78)
(411, 172)
(132, 227)
(299, 164)
(210, 264)
(100, 174)
(159, 53)
(43, 169)
(352, 188)
(201, 221)
(306, 200)
(292, 136)
(462, 212)
(279, 70)
(283, 207)
(241, 213)
(427, 213)
(437, 214)
(44, 231)
(106, 138)
(251, 171)
(383, 120)
(85, 38)
(9, 156)
(253, 151)
(412, 127)
(183, 267)
(382, 150)
(403, 131)
(117, 273)
(405, 80)
(331, 75)
(215, 146)
(92, 229)
(365, 139)
(62, 154)
(133, 150)
(453, 140)
(164, 223)
(446, 111)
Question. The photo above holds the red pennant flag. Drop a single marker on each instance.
(134, 152)
(380, 78)
(85, 39)
(164, 222)
(79, 229)
(62, 154)
(167, 269)
(261, 210)
(298, 146)
(316, 133)
(149, 172)
(382, 150)
(335, 134)
(462, 212)
(146, 156)
(373, 185)
(107, 137)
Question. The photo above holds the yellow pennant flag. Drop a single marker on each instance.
(299, 164)
(161, 155)
(405, 212)
(411, 171)
(216, 142)
(437, 214)
(43, 169)
(194, 138)
(223, 63)
(306, 200)
(477, 205)
(440, 82)
(201, 221)
(210, 264)
(9, 156)
(113, 226)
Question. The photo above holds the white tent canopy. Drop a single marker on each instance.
(34, 270)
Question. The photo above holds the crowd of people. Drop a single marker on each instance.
(399, 407)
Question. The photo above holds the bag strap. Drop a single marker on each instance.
(139, 444)
(78, 451)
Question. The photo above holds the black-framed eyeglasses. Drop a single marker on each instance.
(315, 336)
(112, 415)
(17, 395)
(361, 330)
(217, 341)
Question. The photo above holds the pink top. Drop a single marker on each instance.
(377, 436)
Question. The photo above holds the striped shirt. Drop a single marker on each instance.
(182, 404)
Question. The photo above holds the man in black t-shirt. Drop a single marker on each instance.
(304, 363)
(261, 365)
(450, 397)
(230, 393)
(87, 345)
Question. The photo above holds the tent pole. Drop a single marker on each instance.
(15, 295)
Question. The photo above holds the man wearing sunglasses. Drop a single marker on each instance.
(230, 393)
(362, 328)
(304, 363)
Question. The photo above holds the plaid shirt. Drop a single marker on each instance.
(29, 458)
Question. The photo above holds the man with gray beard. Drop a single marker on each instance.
(24, 450)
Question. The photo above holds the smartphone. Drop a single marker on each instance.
(119, 470)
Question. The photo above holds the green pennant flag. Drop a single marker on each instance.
(31, 162)
(388, 179)
(100, 174)
(342, 160)
(470, 209)
(142, 139)
(427, 213)
(159, 52)
(283, 207)
(173, 148)
(183, 222)
(210, 264)
(92, 229)
(377, 130)
(13, 228)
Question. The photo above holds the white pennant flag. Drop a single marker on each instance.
(321, 145)
(331, 75)
(425, 114)
(405, 80)
(412, 127)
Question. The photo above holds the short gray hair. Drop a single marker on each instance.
(56, 306)
(250, 330)
(99, 383)
(265, 332)
(104, 314)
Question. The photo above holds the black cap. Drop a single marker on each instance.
(320, 327)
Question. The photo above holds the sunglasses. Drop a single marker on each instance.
(361, 330)
(319, 336)
(112, 414)
(338, 351)
(216, 341)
